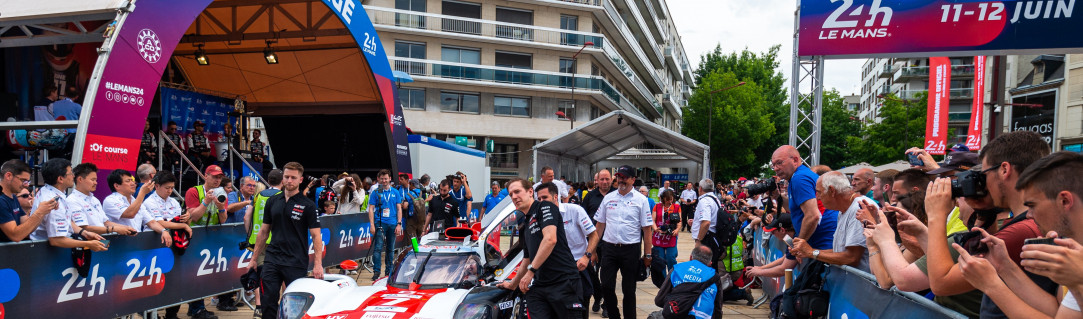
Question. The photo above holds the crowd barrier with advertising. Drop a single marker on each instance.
(854, 293)
(138, 273)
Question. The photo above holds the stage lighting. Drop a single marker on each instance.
(201, 56)
(270, 55)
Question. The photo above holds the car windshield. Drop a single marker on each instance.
(436, 269)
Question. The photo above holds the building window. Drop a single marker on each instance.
(461, 9)
(410, 20)
(412, 98)
(595, 112)
(460, 55)
(567, 107)
(567, 65)
(459, 102)
(413, 50)
(513, 60)
(571, 23)
(504, 156)
(515, 16)
(514, 106)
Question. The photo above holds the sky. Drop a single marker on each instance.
(756, 25)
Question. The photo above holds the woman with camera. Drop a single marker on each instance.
(667, 216)
(351, 194)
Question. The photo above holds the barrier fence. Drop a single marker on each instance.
(854, 294)
(138, 273)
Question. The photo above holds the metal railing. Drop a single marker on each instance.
(614, 15)
(161, 160)
(259, 177)
(959, 93)
(923, 71)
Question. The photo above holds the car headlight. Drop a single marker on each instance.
(474, 311)
(295, 304)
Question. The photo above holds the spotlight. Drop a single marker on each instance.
(269, 54)
(201, 56)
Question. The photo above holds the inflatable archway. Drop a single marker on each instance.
(134, 56)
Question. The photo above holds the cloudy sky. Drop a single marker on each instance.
(757, 25)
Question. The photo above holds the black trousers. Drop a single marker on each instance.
(623, 258)
(592, 275)
(272, 279)
(557, 300)
(687, 212)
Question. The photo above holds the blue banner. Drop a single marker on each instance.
(187, 107)
(675, 177)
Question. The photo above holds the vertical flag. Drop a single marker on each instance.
(973, 135)
(936, 123)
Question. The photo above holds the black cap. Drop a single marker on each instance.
(197, 123)
(782, 219)
(955, 161)
(626, 171)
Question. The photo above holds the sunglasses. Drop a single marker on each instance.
(26, 196)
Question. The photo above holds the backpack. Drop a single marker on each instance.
(806, 298)
(726, 227)
(678, 304)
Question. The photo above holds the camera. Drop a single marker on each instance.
(762, 187)
(968, 184)
(244, 245)
(219, 194)
(672, 220)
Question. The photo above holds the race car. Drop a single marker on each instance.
(452, 274)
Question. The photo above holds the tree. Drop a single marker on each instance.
(902, 127)
(740, 122)
(837, 125)
(761, 68)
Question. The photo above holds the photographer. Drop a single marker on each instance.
(385, 223)
(688, 205)
(351, 194)
(460, 189)
(1003, 159)
(667, 218)
(207, 205)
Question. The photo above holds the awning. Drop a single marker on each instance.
(613, 133)
(31, 23)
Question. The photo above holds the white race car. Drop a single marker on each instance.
(450, 275)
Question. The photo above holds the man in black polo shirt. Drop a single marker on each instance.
(547, 275)
(443, 209)
(289, 215)
(603, 185)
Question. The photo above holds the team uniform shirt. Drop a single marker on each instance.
(384, 203)
(114, 206)
(198, 142)
(559, 265)
(157, 208)
(624, 217)
(10, 211)
(593, 200)
(290, 220)
(464, 202)
(58, 222)
(493, 199)
(176, 139)
(562, 188)
(688, 195)
(86, 210)
(577, 225)
(706, 210)
(443, 208)
(850, 233)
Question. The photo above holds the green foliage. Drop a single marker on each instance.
(903, 126)
(838, 125)
(737, 121)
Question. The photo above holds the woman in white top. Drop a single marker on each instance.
(350, 194)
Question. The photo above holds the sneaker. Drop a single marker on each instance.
(605, 313)
(226, 306)
(204, 314)
(257, 314)
(597, 305)
(375, 276)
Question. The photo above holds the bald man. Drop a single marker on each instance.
(816, 228)
(864, 180)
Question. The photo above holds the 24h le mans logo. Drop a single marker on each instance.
(149, 45)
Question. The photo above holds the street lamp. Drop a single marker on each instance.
(561, 114)
(575, 67)
(710, 117)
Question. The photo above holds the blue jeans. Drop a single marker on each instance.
(668, 254)
(385, 245)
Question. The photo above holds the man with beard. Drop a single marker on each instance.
(627, 215)
(443, 209)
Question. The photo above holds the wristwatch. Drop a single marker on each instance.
(815, 254)
(531, 268)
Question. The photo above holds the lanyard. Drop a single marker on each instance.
(385, 197)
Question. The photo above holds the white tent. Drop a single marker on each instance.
(609, 135)
(897, 165)
(850, 170)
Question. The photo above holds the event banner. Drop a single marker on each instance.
(138, 273)
(897, 28)
(973, 131)
(936, 122)
(187, 107)
(854, 294)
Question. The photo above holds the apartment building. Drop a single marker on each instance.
(1044, 93)
(515, 73)
(907, 79)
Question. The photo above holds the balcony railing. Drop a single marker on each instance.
(888, 71)
(611, 11)
(958, 93)
(961, 116)
(923, 71)
(495, 74)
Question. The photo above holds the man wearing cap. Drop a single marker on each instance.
(954, 162)
(199, 147)
(627, 216)
(204, 208)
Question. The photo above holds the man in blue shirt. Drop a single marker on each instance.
(246, 194)
(810, 225)
(460, 189)
(385, 221)
(495, 196)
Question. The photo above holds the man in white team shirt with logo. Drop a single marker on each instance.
(580, 232)
(58, 226)
(125, 209)
(85, 209)
(547, 176)
(162, 208)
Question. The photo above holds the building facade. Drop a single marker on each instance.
(515, 73)
(908, 80)
(1044, 93)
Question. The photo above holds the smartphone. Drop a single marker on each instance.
(105, 242)
(915, 160)
(971, 241)
(1038, 241)
(57, 198)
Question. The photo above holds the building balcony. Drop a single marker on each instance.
(911, 72)
(888, 71)
(514, 78)
(672, 57)
(954, 94)
(631, 43)
(959, 117)
(646, 41)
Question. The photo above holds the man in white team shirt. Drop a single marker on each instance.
(706, 212)
(85, 209)
(688, 202)
(580, 232)
(123, 208)
(547, 176)
(164, 209)
(58, 226)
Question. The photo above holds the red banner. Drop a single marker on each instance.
(973, 135)
(936, 123)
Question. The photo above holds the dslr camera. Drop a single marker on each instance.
(672, 220)
(762, 187)
(968, 184)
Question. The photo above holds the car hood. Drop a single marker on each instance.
(341, 300)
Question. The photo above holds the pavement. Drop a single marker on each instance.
(645, 293)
